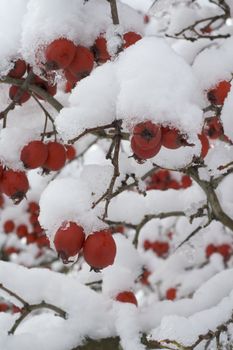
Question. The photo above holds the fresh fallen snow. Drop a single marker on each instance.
(96, 315)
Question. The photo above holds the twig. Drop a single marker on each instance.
(47, 116)
(36, 89)
(92, 130)
(212, 198)
(115, 162)
(27, 308)
(114, 12)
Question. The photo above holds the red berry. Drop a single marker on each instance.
(59, 53)
(147, 244)
(69, 86)
(204, 145)
(186, 181)
(213, 128)
(19, 69)
(225, 250)
(127, 297)
(160, 248)
(172, 139)
(33, 207)
(147, 135)
(34, 154)
(171, 293)
(16, 309)
(1, 199)
(11, 250)
(130, 38)
(141, 153)
(8, 226)
(22, 231)
(206, 30)
(100, 50)
(218, 94)
(37, 228)
(99, 249)
(70, 152)
(210, 249)
(83, 62)
(174, 185)
(17, 95)
(43, 241)
(69, 240)
(4, 307)
(33, 218)
(15, 185)
(144, 277)
(31, 238)
(56, 156)
(72, 79)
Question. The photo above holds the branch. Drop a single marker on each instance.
(92, 130)
(36, 89)
(212, 198)
(115, 162)
(27, 308)
(114, 12)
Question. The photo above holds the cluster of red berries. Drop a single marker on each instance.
(224, 249)
(99, 248)
(148, 138)
(50, 156)
(78, 61)
(160, 248)
(162, 180)
(37, 235)
(75, 61)
(100, 46)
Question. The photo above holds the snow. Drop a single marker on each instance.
(159, 79)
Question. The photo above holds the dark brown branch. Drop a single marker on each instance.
(8, 291)
(92, 130)
(47, 116)
(29, 308)
(114, 12)
(36, 89)
(212, 198)
(115, 162)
